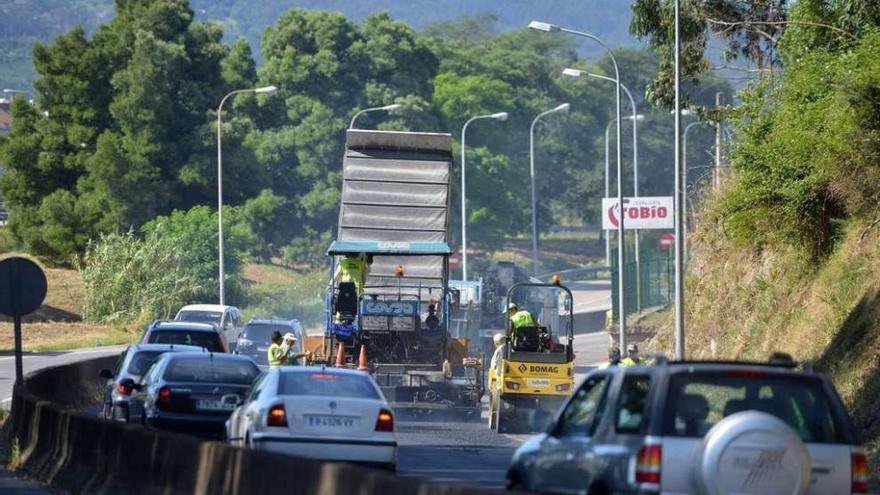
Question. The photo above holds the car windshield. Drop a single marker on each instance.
(205, 369)
(208, 340)
(200, 316)
(326, 384)
(261, 333)
(698, 401)
(142, 361)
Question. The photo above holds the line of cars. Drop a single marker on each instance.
(182, 377)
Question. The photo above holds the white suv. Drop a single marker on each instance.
(227, 318)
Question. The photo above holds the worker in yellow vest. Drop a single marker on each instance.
(632, 357)
(353, 268)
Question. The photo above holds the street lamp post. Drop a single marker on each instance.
(387, 108)
(635, 139)
(550, 28)
(266, 90)
(561, 108)
(639, 117)
(679, 245)
(496, 116)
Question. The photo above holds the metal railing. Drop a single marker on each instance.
(656, 277)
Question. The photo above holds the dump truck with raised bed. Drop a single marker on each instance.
(389, 306)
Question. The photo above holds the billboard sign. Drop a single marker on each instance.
(655, 212)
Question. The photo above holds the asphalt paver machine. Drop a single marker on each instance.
(394, 216)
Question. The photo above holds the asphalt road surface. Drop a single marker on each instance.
(37, 360)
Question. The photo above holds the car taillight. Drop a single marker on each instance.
(563, 387)
(122, 389)
(385, 421)
(511, 385)
(277, 416)
(859, 473)
(163, 402)
(648, 463)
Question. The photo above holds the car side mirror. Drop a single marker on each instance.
(105, 374)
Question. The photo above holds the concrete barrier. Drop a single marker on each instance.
(87, 455)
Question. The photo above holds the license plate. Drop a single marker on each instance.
(215, 405)
(325, 421)
(537, 382)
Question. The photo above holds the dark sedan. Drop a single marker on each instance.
(192, 392)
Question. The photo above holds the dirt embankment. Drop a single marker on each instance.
(745, 304)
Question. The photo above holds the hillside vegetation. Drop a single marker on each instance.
(787, 254)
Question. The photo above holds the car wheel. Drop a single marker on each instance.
(248, 443)
(598, 488)
(504, 417)
(515, 482)
(732, 448)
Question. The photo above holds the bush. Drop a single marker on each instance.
(126, 278)
(807, 158)
(302, 300)
(195, 231)
(176, 263)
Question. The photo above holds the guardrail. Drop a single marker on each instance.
(83, 454)
(577, 274)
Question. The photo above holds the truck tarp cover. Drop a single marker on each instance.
(396, 189)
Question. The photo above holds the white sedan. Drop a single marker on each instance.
(331, 414)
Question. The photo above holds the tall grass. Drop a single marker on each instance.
(129, 279)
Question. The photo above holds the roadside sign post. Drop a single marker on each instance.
(23, 285)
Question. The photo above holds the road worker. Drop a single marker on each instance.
(288, 347)
(275, 354)
(632, 357)
(281, 352)
(353, 268)
(520, 318)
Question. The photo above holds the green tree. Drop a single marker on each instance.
(750, 30)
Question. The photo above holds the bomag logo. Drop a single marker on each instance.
(523, 368)
(543, 369)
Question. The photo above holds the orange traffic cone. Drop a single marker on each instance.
(362, 359)
(340, 356)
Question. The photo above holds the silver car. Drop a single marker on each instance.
(696, 427)
(132, 364)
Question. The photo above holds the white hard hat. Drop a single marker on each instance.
(509, 307)
(499, 339)
(289, 336)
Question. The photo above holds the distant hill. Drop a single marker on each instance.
(23, 22)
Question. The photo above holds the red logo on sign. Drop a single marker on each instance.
(638, 213)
